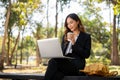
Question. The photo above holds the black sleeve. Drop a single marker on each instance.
(63, 45)
(83, 51)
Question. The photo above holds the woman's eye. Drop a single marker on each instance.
(71, 22)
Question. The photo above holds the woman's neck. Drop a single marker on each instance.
(76, 32)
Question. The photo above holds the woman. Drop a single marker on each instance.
(76, 43)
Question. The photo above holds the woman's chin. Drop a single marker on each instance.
(72, 30)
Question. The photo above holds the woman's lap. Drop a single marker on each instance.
(65, 66)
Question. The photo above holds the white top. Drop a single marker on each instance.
(69, 48)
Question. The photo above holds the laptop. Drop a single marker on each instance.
(50, 48)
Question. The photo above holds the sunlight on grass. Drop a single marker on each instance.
(115, 68)
(32, 68)
(26, 69)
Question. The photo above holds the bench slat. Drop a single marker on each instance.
(20, 76)
(90, 78)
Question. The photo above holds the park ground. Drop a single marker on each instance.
(41, 69)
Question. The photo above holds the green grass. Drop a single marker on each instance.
(115, 68)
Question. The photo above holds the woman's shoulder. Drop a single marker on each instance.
(85, 33)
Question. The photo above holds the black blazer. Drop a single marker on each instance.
(80, 50)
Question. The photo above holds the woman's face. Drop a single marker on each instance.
(72, 24)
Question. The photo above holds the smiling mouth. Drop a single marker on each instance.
(71, 28)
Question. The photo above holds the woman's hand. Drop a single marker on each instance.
(70, 37)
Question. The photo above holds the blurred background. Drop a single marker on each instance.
(23, 22)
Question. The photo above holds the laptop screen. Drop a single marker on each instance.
(50, 48)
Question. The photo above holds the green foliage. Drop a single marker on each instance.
(63, 2)
(116, 4)
(99, 54)
(116, 9)
(101, 36)
(50, 31)
(28, 42)
(23, 0)
(60, 33)
(94, 25)
(4, 1)
(40, 31)
(97, 29)
(22, 9)
(99, 1)
(98, 60)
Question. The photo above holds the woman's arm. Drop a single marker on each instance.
(63, 45)
(83, 51)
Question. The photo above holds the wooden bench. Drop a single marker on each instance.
(17, 76)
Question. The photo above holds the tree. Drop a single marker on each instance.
(114, 55)
(116, 9)
(62, 3)
(28, 47)
(5, 35)
(47, 18)
(38, 34)
(21, 10)
(93, 22)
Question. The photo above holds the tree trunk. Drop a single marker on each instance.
(56, 18)
(9, 30)
(114, 55)
(47, 19)
(21, 51)
(38, 58)
(5, 36)
(8, 47)
(10, 59)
